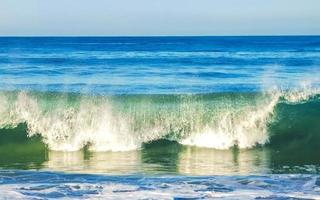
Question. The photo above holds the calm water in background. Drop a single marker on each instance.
(163, 91)
(157, 64)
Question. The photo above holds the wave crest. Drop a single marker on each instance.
(68, 122)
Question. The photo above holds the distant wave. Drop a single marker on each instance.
(68, 122)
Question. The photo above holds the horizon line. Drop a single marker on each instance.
(249, 35)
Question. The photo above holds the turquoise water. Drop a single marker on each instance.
(160, 117)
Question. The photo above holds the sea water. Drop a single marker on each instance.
(160, 117)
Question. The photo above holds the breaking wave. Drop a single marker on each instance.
(69, 122)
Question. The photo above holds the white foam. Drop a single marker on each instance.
(304, 92)
(69, 129)
(245, 130)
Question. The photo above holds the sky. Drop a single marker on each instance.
(158, 17)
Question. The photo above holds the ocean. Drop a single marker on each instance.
(160, 117)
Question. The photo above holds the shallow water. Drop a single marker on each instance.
(162, 158)
(39, 185)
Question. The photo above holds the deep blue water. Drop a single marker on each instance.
(157, 64)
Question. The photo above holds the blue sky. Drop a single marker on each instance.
(159, 17)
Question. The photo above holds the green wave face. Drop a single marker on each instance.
(19, 151)
(296, 124)
(69, 122)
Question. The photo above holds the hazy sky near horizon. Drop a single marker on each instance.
(163, 17)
